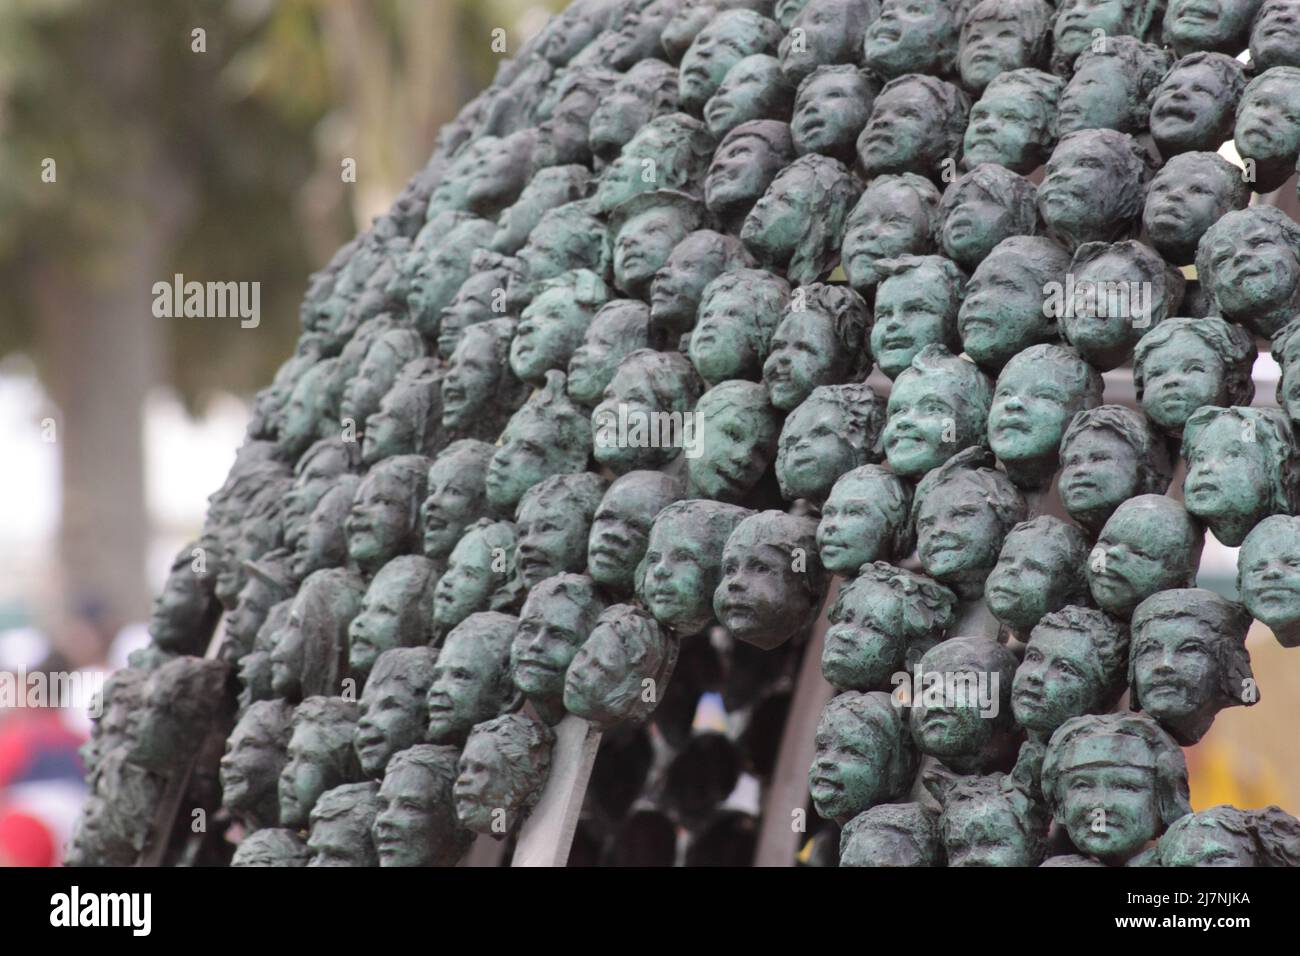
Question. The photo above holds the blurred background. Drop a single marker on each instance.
(133, 149)
(219, 156)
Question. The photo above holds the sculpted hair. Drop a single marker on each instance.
(356, 801)
(862, 74)
(336, 720)
(1030, 814)
(1284, 230)
(1085, 380)
(1234, 346)
(439, 762)
(973, 466)
(862, 414)
(412, 666)
(890, 727)
(911, 821)
(272, 846)
(847, 311)
(574, 494)
(1228, 70)
(1271, 835)
(1033, 16)
(1040, 88)
(1227, 620)
(193, 688)
(766, 294)
(1108, 639)
(1272, 429)
(1154, 469)
(1167, 283)
(832, 192)
(1171, 788)
(551, 406)
(1128, 161)
(892, 496)
(578, 589)
(1069, 546)
(524, 745)
(974, 392)
(748, 399)
(950, 101)
(671, 377)
(1142, 65)
(925, 192)
(1001, 187)
(926, 608)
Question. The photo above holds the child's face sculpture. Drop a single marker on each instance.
(1099, 473)
(467, 683)
(1229, 475)
(1100, 95)
(1008, 128)
(913, 309)
(455, 500)
(683, 563)
(629, 105)
(754, 88)
(741, 170)
(975, 223)
(814, 449)
(1080, 195)
(483, 785)
(547, 189)
(1255, 273)
(728, 39)
(1033, 402)
(955, 727)
(1179, 376)
(1057, 679)
(469, 581)
(993, 45)
(677, 287)
(620, 531)
(1035, 574)
(926, 425)
(251, 767)
(531, 451)
(765, 596)
(1124, 790)
(830, 31)
(855, 527)
(607, 681)
(1101, 336)
(307, 774)
(725, 341)
(890, 220)
(380, 522)
(849, 773)
(552, 626)
(775, 226)
(911, 36)
(1200, 841)
(1192, 25)
(552, 540)
(1076, 21)
(416, 822)
(738, 441)
(632, 391)
(905, 132)
(1191, 110)
(958, 535)
(805, 353)
(1187, 196)
(1176, 672)
(985, 832)
(1275, 35)
(549, 331)
(864, 645)
(1268, 575)
(384, 611)
(1142, 549)
(830, 113)
(643, 245)
(392, 719)
(1268, 126)
(618, 329)
(472, 380)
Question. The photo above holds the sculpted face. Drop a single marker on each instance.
(739, 174)
(620, 530)
(1175, 671)
(637, 33)
(682, 566)
(1206, 843)
(384, 614)
(737, 444)
(644, 244)
(912, 310)
(805, 353)
(889, 221)
(679, 284)
(764, 596)
(754, 88)
(469, 581)
(483, 785)
(1187, 196)
(528, 455)
(392, 719)
(606, 681)
(849, 772)
(728, 339)
(549, 331)
(957, 532)
(1040, 569)
(1081, 194)
(619, 328)
(1228, 478)
(1126, 794)
(379, 524)
(1098, 96)
(830, 111)
(814, 449)
(1008, 128)
(911, 36)
(905, 132)
(1268, 575)
(1140, 551)
(974, 223)
(182, 608)
(416, 824)
(1255, 274)
(1275, 36)
(467, 684)
(985, 832)
(1077, 19)
(993, 45)
(776, 224)
(255, 755)
(552, 626)
(307, 774)
(627, 107)
(472, 304)
(552, 540)
(1099, 472)
(1191, 110)
(1057, 679)
(1208, 25)
(830, 31)
(856, 526)
(728, 39)
(255, 601)
(456, 499)
(867, 642)
(1104, 338)
(1179, 376)
(1035, 398)
(954, 727)
(1268, 125)
(926, 424)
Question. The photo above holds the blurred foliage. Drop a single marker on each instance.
(244, 142)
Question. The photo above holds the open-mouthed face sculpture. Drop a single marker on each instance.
(1194, 107)
(754, 88)
(883, 620)
(415, 823)
(917, 122)
(1189, 194)
(891, 834)
(985, 206)
(1075, 663)
(456, 496)
(620, 672)
(548, 436)
(831, 107)
(384, 359)
(896, 216)
(963, 511)
(477, 375)
(311, 411)
(1275, 35)
(315, 474)
(1241, 468)
(645, 230)
(385, 516)
(556, 618)
(1267, 129)
(938, 406)
(1094, 187)
(395, 612)
(1188, 660)
(554, 519)
(1111, 87)
(633, 427)
(739, 429)
(998, 36)
(1120, 768)
(820, 341)
(744, 165)
(620, 328)
(393, 706)
(267, 581)
(912, 36)
(552, 326)
(1040, 569)
(1191, 25)
(647, 90)
(620, 530)
(471, 679)
(968, 729)
(772, 579)
(409, 417)
(503, 768)
(320, 756)
(1077, 22)
(1149, 544)
(695, 261)
(738, 313)
(834, 430)
(865, 755)
(256, 752)
(916, 305)
(1185, 364)
(1014, 122)
(826, 31)
(796, 229)
(1108, 455)
(1250, 262)
(1038, 392)
(479, 567)
(311, 650)
(1268, 576)
(683, 562)
(865, 518)
(442, 270)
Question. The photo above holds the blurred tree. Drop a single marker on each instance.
(215, 155)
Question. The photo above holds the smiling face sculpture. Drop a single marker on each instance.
(1194, 107)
